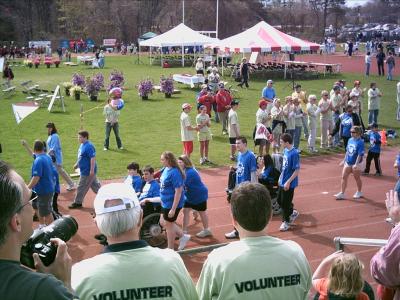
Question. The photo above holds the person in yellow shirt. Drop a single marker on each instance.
(301, 95)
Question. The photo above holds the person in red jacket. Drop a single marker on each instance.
(207, 100)
(223, 99)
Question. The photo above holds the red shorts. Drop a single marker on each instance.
(188, 147)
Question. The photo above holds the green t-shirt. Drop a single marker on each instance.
(256, 268)
(133, 270)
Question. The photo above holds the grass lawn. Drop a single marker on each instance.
(147, 128)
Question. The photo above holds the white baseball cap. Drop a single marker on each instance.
(115, 191)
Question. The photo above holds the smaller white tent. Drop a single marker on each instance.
(180, 36)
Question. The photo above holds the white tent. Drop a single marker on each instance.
(181, 36)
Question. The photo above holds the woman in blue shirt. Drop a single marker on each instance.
(196, 194)
(352, 162)
(54, 149)
(172, 199)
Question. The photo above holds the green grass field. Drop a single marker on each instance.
(147, 128)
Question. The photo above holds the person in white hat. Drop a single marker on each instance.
(128, 265)
(187, 129)
(199, 66)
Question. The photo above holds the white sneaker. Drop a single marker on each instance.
(357, 195)
(339, 196)
(294, 216)
(121, 148)
(285, 226)
(204, 233)
(105, 149)
(202, 161)
(183, 241)
(232, 235)
(71, 187)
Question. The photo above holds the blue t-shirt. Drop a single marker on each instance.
(137, 183)
(150, 190)
(171, 179)
(246, 163)
(54, 145)
(346, 122)
(355, 147)
(268, 93)
(267, 175)
(195, 190)
(374, 142)
(43, 167)
(290, 163)
(85, 153)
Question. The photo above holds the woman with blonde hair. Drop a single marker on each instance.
(196, 194)
(172, 199)
(352, 162)
(339, 276)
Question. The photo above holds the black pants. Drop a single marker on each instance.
(245, 79)
(285, 201)
(375, 156)
(381, 69)
(345, 141)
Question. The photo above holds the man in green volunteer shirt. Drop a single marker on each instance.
(128, 268)
(258, 266)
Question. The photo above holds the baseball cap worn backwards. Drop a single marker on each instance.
(115, 191)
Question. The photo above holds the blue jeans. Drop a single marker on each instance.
(373, 116)
(390, 70)
(291, 132)
(367, 66)
(115, 128)
(296, 138)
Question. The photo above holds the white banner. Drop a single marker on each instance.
(109, 42)
(36, 44)
(22, 110)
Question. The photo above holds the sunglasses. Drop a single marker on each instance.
(353, 131)
(34, 196)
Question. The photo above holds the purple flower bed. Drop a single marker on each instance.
(167, 85)
(145, 87)
(78, 79)
(116, 80)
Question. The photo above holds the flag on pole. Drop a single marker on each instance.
(23, 109)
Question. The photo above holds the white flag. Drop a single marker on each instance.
(22, 110)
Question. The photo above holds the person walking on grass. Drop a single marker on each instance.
(244, 73)
(187, 129)
(288, 181)
(88, 168)
(233, 128)
(352, 163)
(204, 134)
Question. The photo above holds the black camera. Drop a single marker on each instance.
(63, 228)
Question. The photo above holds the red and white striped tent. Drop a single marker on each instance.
(262, 37)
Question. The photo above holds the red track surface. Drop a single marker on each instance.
(321, 216)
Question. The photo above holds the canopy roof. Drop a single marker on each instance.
(262, 37)
(180, 35)
(147, 35)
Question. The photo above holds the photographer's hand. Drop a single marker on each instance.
(61, 267)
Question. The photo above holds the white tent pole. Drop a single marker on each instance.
(150, 56)
(183, 55)
(183, 11)
(161, 59)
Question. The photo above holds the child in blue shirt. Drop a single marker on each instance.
(149, 198)
(288, 181)
(374, 150)
(134, 177)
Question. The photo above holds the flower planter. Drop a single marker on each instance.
(93, 97)
(57, 66)
(167, 95)
(36, 66)
(145, 97)
(30, 66)
(67, 92)
(77, 96)
(48, 66)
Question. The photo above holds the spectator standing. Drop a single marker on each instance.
(344, 124)
(352, 163)
(162, 272)
(380, 59)
(8, 74)
(398, 101)
(312, 113)
(223, 100)
(204, 135)
(391, 63)
(350, 48)
(367, 60)
(235, 272)
(172, 199)
(337, 103)
(52, 282)
(112, 114)
(278, 125)
(263, 124)
(289, 116)
(233, 128)
(301, 95)
(374, 150)
(208, 100)
(88, 168)
(186, 129)
(246, 170)
(196, 194)
(213, 80)
(54, 149)
(288, 181)
(42, 182)
(268, 92)
(374, 101)
(244, 73)
(199, 66)
(101, 59)
(298, 116)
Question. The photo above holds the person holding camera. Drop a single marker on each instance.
(128, 268)
(18, 282)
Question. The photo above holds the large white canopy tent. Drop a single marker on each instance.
(181, 36)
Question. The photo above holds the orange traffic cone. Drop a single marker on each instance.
(383, 137)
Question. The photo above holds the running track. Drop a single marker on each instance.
(321, 216)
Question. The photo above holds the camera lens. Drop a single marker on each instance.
(63, 228)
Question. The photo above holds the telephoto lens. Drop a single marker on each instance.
(63, 228)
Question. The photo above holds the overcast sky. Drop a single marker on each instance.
(356, 2)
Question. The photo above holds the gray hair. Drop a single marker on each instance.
(115, 223)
